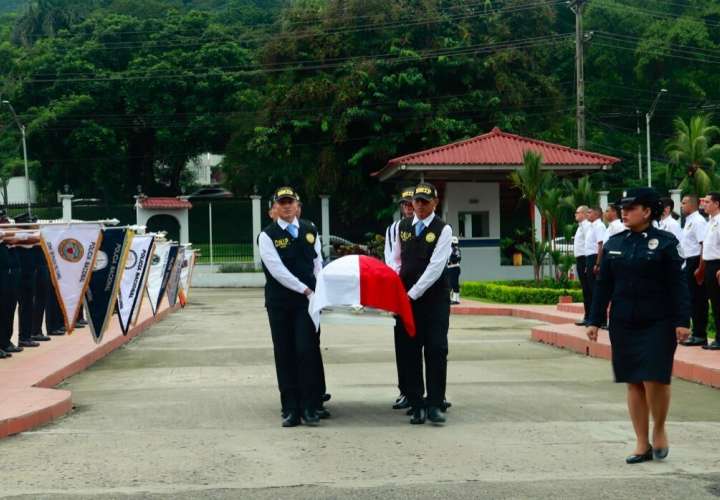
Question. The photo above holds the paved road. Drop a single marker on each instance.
(190, 410)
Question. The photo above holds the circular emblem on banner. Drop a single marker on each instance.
(653, 244)
(430, 237)
(71, 250)
(310, 238)
(155, 260)
(101, 261)
(131, 260)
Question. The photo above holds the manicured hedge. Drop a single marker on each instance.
(507, 292)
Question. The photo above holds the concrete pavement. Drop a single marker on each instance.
(191, 410)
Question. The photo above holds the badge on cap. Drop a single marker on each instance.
(310, 238)
(430, 237)
(653, 244)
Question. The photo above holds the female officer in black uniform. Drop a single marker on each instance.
(641, 276)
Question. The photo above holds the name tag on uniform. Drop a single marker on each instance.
(282, 243)
(615, 252)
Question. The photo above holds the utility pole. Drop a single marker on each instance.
(648, 117)
(637, 116)
(25, 153)
(577, 7)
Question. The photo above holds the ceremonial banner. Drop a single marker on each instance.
(161, 265)
(173, 285)
(105, 280)
(133, 281)
(359, 280)
(186, 276)
(70, 250)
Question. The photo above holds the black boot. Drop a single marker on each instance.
(418, 415)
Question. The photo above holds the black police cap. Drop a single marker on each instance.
(644, 196)
(285, 192)
(406, 195)
(425, 191)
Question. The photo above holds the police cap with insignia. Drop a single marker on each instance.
(285, 192)
(643, 196)
(425, 191)
(406, 195)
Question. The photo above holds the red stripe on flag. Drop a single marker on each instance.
(381, 288)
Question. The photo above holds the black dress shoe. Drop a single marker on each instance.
(693, 341)
(12, 348)
(401, 403)
(435, 415)
(322, 413)
(40, 338)
(445, 406)
(4, 354)
(660, 453)
(418, 416)
(57, 333)
(638, 459)
(326, 397)
(310, 417)
(291, 418)
(81, 323)
(28, 343)
(581, 323)
(712, 346)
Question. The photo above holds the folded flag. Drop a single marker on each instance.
(361, 280)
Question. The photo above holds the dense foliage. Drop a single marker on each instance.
(321, 93)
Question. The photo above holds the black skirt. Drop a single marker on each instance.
(643, 352)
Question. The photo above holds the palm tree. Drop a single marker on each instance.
(581, 193)
(551, 207)
(690, 150)
(531, 180)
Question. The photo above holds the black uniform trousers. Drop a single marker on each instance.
(53, 315)
(582, 277)
(432, 320)
(698, 299)
(399, 333)
(589, 281)
(453, 274)
(296, 346)
(9, 284)
(42, 287)
(26, 294)
(713, 289)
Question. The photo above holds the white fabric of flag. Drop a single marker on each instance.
(155, 275)
(133, 280)
(70, 250)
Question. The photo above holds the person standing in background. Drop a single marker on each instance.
(454, 271)
(580, 257)
(691, 242)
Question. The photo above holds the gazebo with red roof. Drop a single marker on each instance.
(475, 194)
(178, 208)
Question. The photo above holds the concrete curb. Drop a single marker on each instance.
(28, 398)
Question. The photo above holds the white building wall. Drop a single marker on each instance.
(472, 197)
(17, 193)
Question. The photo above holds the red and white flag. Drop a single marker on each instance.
(361, 280)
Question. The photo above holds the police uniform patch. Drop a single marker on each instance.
(653, 244)
(405, 235)
(430, 237)
(310, 238)
(282, 243)
(71, 250)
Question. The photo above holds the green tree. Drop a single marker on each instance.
(692, 151)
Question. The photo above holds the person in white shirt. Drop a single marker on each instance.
(710, 261)
(291, 256)
(614, 220)
(391, 234)
(420, 258)
(667, 221)
(593, 250)
(581, 214)
(691, 243)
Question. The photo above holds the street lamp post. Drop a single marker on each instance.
(648, 117)
(25, 154)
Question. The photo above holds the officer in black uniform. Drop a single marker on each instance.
(421, 260)
(9, 289)
(29, 300)
(641, 277)
(292, 257)
(5, 295)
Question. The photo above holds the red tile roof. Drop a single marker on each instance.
(164, 203)
(500, 148)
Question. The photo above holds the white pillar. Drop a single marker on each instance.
(538, 224)
(256, 228)
(66, 200)
(184, 219)
(676, 196)
(603, 199)
(325, 211)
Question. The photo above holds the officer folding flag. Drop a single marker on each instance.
(173, 285)
(70, 250)
(133, 281)
(109, 265)
(160, 268)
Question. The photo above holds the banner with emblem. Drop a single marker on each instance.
(186, 276)
(133, 281)
(173, 285)
(102, 292)
(70, 250)
(160, 268)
